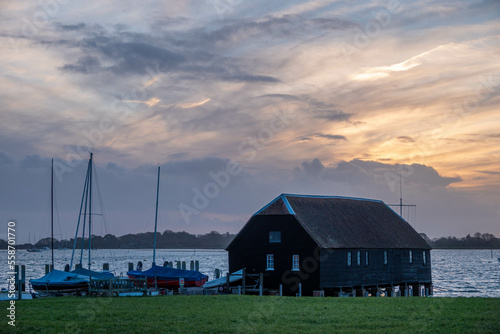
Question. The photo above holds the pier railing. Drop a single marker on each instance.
(115, 286)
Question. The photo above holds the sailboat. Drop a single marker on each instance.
(164, 277)
(57, 281)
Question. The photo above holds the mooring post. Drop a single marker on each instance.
(191, 265)
(183, 265)
(197, 265)
(17, 282)
(105, 266)
(47, 269)
(23, 278)
(243, 280)
(261, 284)
(130, 266)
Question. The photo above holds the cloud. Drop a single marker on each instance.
(406, 139)
(489, 172)
(328, 136)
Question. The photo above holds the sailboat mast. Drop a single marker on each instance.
(52, 209)
(90, 205)
(400, 194)
(156, 215)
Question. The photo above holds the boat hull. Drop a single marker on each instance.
(60, 287)
(170, 283)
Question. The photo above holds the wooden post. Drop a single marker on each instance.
(47, 269)
(243, 280)
(281, 290)
(239, 289)
(300, 289)
(191, 265)
(105, 266)
(261, 284)
(66, 268)
(17, 282)
(23, 278)
(196, 265)
(178, 264)
(130, 266)
(228, 282)
(183, 265)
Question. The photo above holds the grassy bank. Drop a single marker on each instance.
(252, 314)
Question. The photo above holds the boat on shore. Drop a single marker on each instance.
(76, 281)
(165, 277)
(169, 278)
(58, 281)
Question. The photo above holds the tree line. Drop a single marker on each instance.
(166, 240)
(476, 241)
(215, 240)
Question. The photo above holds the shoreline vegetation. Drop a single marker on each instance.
(215, 240)
(254, 314)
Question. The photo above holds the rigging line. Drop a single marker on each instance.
(101, 202)
(86, 192)
(57, 214)
(78, 223)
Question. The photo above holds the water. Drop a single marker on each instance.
(455, 273)
(466, 273)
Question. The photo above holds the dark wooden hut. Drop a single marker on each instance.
(336, 245)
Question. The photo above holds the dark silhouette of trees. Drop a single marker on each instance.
(215, 240)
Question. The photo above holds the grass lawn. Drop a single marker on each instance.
(253, 314)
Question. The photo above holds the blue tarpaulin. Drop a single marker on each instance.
(168, 274)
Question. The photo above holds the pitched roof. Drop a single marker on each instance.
(345, 222)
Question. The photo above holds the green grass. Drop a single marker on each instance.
(253, 314)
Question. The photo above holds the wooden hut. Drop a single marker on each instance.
(334, 246)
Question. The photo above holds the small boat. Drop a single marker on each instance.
(34, 250)
(169, 278)
(58, 281)
(234, 277)
(164, 277)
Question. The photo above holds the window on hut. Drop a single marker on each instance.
(270, 262)
(274, 237)
(425, 259)
(359, 258)
(348, 259)
(411, 257)
(385, 257)
(366, 258)
(295, 263)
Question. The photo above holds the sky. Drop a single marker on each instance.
(239, 101)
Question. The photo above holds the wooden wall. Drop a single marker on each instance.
(252, 246)
(336, 273)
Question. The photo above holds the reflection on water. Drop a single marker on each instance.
(466, 273)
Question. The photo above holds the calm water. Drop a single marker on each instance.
(465, 273)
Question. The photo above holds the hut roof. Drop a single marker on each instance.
(344, 222)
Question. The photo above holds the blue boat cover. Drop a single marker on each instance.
(58, 276)
(169, 274)
(93, 274)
